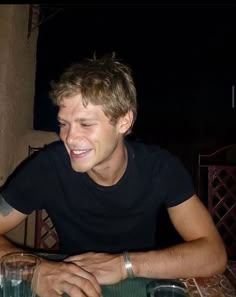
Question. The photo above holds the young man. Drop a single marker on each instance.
(104, 193)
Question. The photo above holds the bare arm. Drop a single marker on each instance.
(54, 278)
(9, 218)
(202, 253)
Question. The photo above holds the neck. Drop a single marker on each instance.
(112, 172)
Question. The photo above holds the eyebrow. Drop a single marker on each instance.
(60, 119)
(78, 119)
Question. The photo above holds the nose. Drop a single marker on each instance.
(73, 134)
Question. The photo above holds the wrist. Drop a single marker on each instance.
(128, 265)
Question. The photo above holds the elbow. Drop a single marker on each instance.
(220, 261)
(223, 259)
(217, 263)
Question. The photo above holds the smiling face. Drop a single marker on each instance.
(93, 143)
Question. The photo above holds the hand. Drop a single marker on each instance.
(56, 278)
(107, 268)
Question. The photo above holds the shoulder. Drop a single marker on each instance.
(57, 145)
(54, 148)
(150, 153)
(49, 154)
(156, 162)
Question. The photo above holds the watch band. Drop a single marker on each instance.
(128, 265)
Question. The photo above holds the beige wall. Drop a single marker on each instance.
(17, 82)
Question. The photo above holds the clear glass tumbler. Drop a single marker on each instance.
(18, 279)
(166, 288)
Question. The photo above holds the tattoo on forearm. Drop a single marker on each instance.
(5, 208)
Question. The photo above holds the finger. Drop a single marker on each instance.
(49, 293)
(72, 259)
(83, 287)
(80, 257)
(54, 276)
(52, 293)
(72, 271)
(78, 273)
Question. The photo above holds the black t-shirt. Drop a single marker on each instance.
(91, 217)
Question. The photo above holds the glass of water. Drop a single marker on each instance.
(18, 278)
(166, 288)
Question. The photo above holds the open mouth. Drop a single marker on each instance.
(77, 154)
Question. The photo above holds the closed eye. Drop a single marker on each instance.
(86, 125)
(61, 125)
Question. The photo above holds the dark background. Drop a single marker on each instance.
(182, 56)
(183, 61)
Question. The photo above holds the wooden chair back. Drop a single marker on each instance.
(45, 237)
(220, 181)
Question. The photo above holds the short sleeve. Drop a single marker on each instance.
(179, 185)
(27, 188)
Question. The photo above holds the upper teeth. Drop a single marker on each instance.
(79, 152)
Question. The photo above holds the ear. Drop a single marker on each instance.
(125, 122)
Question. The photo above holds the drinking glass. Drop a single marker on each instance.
(166, 288)
(18, 279)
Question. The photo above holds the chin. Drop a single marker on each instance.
(81, 169)
(78, 169)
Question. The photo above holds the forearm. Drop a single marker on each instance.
(7, 247)
(190, 259)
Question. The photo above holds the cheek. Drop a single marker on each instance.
(62, 134)
(111, 133)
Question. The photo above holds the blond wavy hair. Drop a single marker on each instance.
(105, 81)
